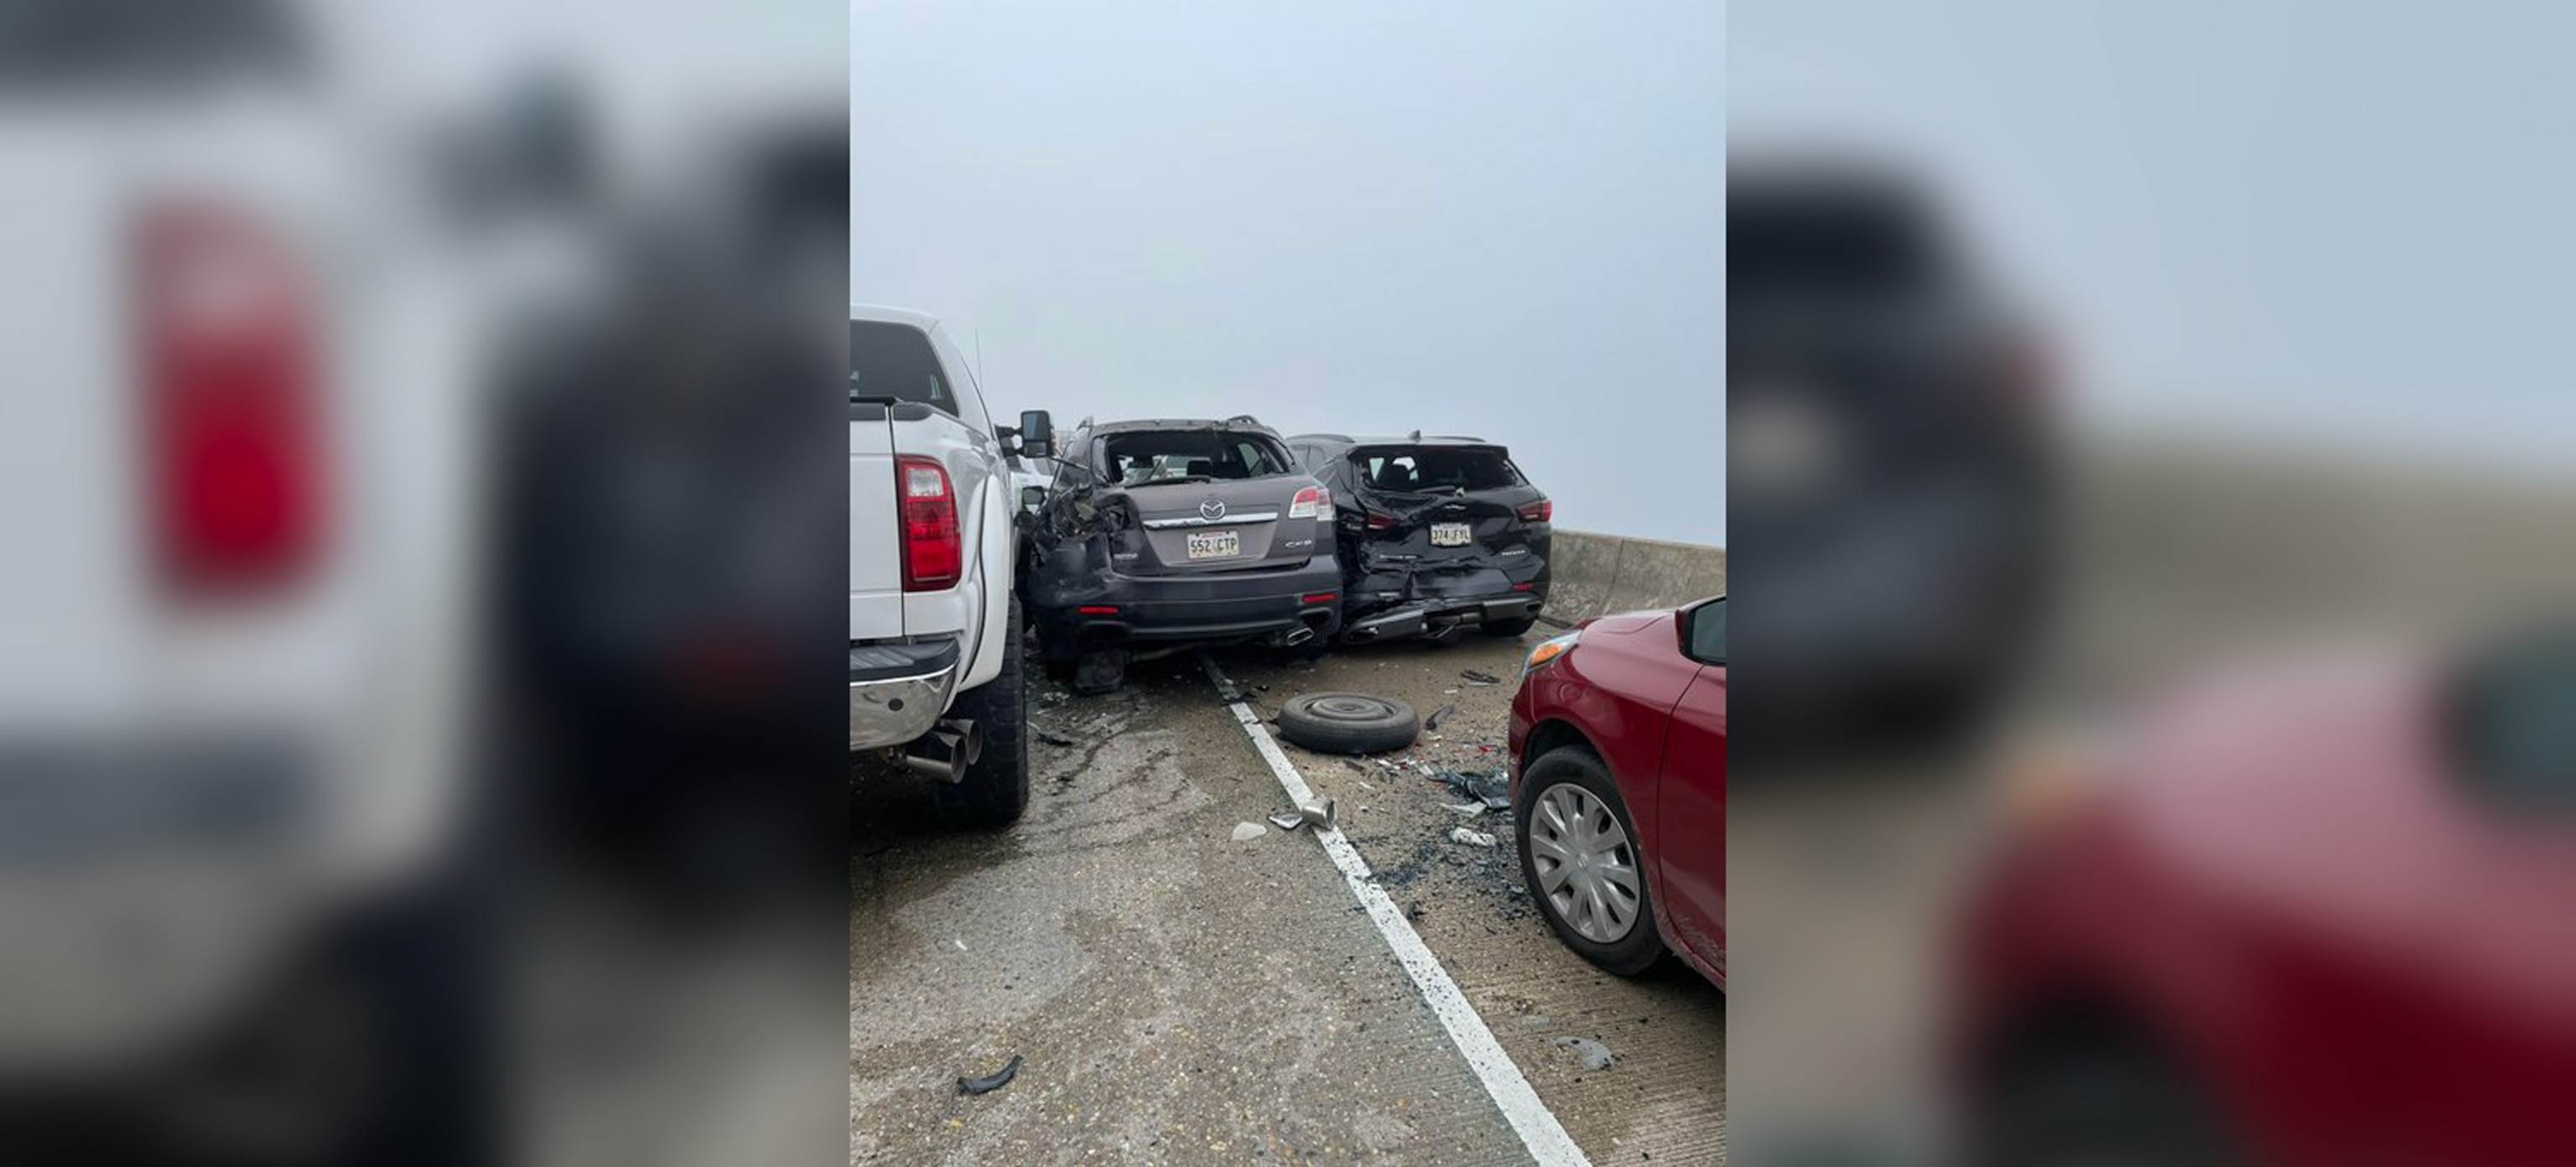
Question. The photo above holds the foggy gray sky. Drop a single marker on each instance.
(1494, 219)
(2339, 226)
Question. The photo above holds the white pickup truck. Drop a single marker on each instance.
(935, 677)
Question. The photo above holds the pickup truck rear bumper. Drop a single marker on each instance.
(898, 689)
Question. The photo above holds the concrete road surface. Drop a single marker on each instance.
(1178, 996)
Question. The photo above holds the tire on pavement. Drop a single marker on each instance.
(1348, 723)
(1586, 781)
(995, 789)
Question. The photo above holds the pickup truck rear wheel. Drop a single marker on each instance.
(996, 788)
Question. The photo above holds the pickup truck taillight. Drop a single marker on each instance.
(933, 553)
(1537, 512)
(228, 400)
(1314, 502)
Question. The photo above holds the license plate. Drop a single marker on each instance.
(1448, 534)
(1215, 544)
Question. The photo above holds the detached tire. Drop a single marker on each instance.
(1348, 723)
(996, 788)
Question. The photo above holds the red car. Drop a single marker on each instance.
(2320, 919)
(1618, 745)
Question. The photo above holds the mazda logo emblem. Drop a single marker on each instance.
(1212, 510)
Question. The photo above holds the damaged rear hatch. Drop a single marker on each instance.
(1209, 501)
(1449, 529)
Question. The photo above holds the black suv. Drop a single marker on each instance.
(1436, 534)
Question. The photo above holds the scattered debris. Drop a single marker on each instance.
(1487, 786)
(1052, 738)
(1245, 832)
(1596, 1056)
(1356, 764)
(1478, 677)
(1365, 786)
(1471, 838)
(1515, 890)
(997, 1079)
(1413, 911)
(1469, 809)
(1437, 716)
(1317, 814)
(961, 945)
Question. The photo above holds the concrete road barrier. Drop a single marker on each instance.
(1593, 575)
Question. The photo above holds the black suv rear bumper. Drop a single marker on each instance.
(1432, 616)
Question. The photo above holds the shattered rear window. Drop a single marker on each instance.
(1414, 469)
(1175, 455)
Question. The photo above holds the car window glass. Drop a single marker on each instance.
(2518, 722)
(1708, 633)
(1148, 456)
(896, 360)
(1440, 470)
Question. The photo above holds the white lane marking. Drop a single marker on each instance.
(1530, 1118)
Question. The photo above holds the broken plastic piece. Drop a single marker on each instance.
(1474, 677)
(1287, 820)
(1437, 716)
(1469, 809)
(1052, 738)
(1246, 832)
(1470, 838)
(991, 1082)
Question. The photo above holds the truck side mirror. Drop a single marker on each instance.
(1037, 434)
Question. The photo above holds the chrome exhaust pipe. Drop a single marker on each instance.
(946, 751)
(1297, 636)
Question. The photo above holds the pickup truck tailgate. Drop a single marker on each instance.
(876, 549)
